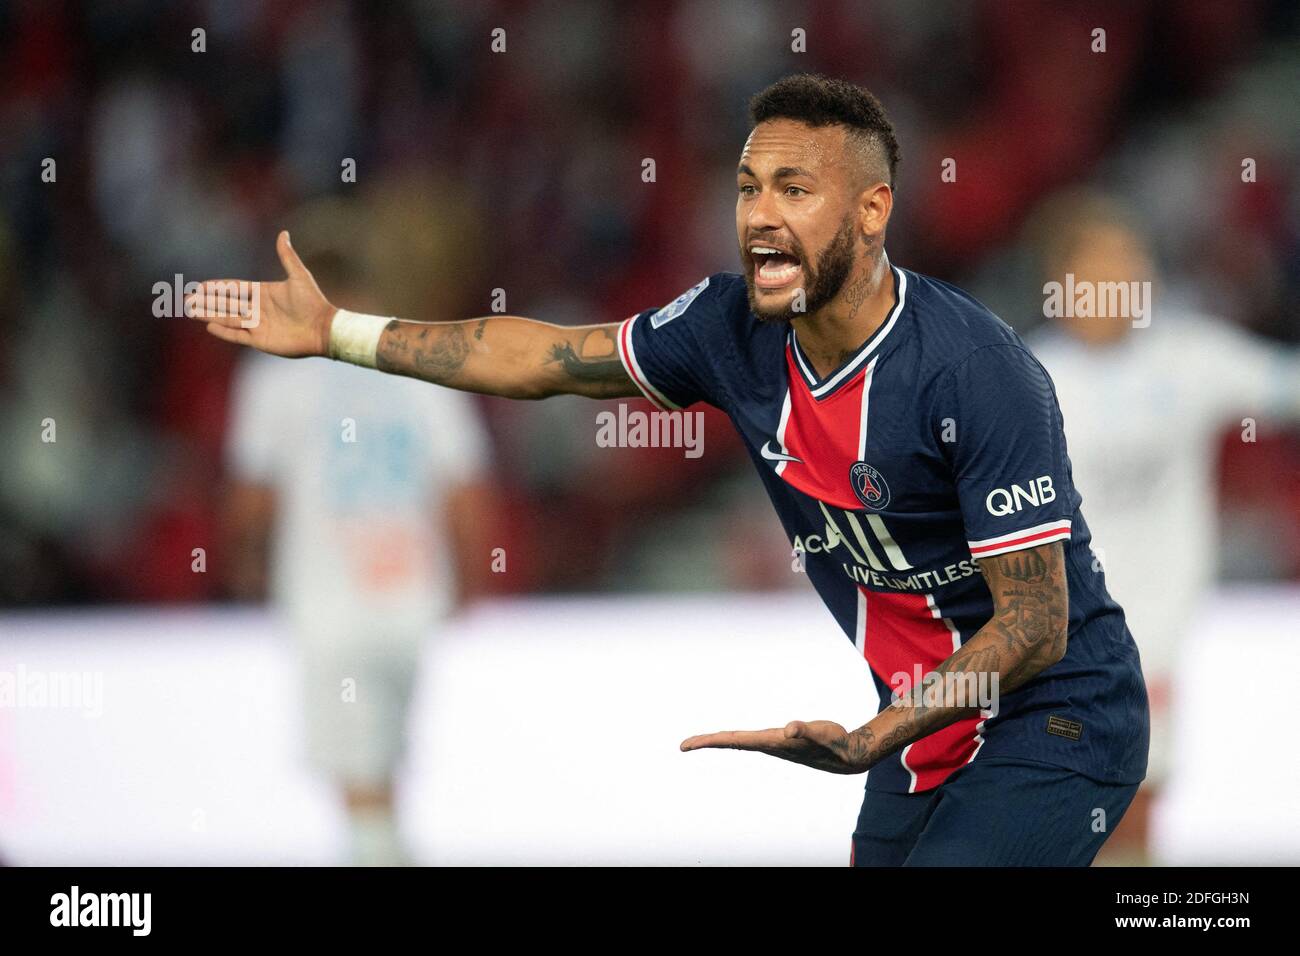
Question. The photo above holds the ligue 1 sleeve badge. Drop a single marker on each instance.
(678, 305)
(869, 485)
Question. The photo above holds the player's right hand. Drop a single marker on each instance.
(290, 318)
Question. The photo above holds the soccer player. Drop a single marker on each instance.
(1147, 400)
(913, 450)
(358, 499)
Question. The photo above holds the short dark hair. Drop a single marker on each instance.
(822, 101)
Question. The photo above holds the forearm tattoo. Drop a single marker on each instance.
(434, 352)
(1026, 634)
(1030, 608)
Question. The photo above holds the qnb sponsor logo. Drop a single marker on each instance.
(978, 689)
(1098, 300)
(1003, 501)
(75, 908)
(53, 690)
(229, 298)
(638, 429)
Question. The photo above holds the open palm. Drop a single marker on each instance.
(820, 744)
(289, 318)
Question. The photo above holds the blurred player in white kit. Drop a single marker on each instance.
(1144, 408)
(361, 499)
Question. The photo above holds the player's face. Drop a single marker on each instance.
(795, 217)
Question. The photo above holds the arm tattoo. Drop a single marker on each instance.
(511, 356)
(595, 360)
(434, 352)
(1027, 633)
(1030, 603)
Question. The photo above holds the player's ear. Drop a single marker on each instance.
(875, 203)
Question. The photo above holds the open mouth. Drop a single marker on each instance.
(774, 268)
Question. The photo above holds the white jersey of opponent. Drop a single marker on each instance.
(1142, 420)
(360, 463)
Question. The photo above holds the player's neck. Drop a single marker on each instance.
(829, 336)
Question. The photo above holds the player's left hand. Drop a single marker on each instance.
(820, 744)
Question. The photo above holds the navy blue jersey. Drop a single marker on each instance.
(939, 442)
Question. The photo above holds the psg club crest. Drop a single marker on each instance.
(869, 485)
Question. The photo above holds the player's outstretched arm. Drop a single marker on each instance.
(500, 355)
(508, 355)
(1026, 634)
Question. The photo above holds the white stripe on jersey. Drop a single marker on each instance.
(1024, 538)
(627, 355)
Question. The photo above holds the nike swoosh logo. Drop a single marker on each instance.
(776, 455)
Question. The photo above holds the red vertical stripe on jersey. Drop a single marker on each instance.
(901, 631)
(824, 435)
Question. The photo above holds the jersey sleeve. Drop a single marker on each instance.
(664, 350)
(997, 418)
(256, 411)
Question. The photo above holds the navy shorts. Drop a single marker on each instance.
(999, 811)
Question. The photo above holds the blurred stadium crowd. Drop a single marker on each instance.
(521, 171)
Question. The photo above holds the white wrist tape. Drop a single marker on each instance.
(354, 337)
